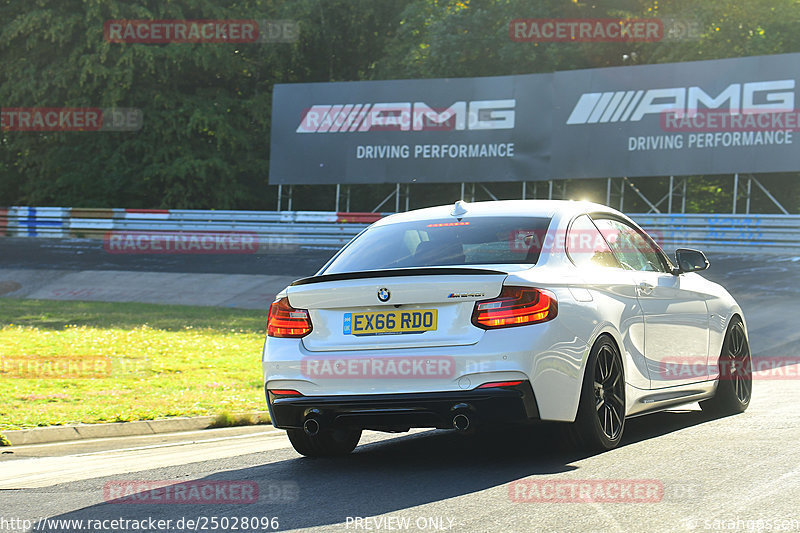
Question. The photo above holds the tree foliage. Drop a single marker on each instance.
(206, 107)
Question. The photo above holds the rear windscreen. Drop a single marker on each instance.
(445, 242)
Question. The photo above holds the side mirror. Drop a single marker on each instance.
(690, 260)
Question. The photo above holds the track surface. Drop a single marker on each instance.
(87, 254)
(709, 470)
(714, 474)
(80, 269)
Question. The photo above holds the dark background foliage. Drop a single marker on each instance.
(205, 139)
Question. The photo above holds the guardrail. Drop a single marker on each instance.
(714, 233)
(725, 233)
(274, 228)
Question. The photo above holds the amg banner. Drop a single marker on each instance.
(705, 117)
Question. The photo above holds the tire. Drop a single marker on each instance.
(735, 385)
(600, 420)
(330, 443)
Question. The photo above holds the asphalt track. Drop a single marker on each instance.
(680, 470)
(81, 269)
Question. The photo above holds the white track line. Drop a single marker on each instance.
(48, 471)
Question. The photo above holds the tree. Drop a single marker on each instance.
(206, 107)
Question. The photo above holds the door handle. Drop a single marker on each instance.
(645, 288)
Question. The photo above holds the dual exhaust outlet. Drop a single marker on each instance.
(460, 421)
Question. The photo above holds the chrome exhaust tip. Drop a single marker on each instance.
(311, 427)
(461, 422)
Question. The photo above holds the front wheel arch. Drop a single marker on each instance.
(734, 382)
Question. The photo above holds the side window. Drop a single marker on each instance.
(587, 247)
(632, 249)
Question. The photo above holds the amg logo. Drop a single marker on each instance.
(408, 116)
(622, 106)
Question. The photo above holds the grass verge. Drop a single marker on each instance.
(64, 362)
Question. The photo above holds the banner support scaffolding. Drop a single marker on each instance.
(769, 195)
(288, 196)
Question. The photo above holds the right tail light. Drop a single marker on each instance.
(516, 306)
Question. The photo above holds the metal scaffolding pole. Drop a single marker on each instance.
(683, 198)
(397, 198)
(291, 191)
(492, 196)
(389, 197)
(769, 195)
(337, 197)
(735, 191)
(549, 189)
(671, 192)
(523, 190)
(608, 192)
(639, 193)
(749, 191)
(408, 194)
(462, 191)
(280, 189)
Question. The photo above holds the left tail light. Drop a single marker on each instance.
(287, 322)
(516, 306)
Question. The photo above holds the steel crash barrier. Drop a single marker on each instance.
(271, 228)
(725, 233)
(277, 229)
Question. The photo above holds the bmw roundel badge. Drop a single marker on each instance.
(384, 294)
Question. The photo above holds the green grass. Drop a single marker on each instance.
(130, 361)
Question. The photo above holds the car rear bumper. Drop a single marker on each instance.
(400, 412)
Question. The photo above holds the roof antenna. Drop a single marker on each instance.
(459, 208)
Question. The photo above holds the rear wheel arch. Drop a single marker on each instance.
(601, 394)
(611, 337)
(614, 336)
(616, 342)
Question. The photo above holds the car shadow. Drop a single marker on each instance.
(397, 474)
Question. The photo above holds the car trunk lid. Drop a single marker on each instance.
(402, 308)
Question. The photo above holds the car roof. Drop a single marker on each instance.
(521, 208)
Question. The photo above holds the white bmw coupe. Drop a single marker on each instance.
(465, 315)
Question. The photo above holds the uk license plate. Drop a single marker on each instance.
(389, 322)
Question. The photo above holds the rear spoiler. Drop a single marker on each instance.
(398, 272)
